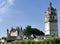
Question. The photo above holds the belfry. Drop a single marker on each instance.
(51, 21)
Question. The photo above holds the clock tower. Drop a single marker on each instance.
(51, 21)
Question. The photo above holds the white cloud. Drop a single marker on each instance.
(11, 2)
(5, 7)
(2, 4)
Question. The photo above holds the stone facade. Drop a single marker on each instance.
(51, 21)
(3, 40)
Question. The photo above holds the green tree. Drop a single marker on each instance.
(36, 31)
(29, 30)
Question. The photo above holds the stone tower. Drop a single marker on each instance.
(51, 21)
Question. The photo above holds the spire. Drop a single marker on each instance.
(21, 28)
(50, 4)
(7, 34)
(7, 31)
(50, 7)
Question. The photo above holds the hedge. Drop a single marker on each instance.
(55, 40)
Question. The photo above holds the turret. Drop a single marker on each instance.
(7, 32)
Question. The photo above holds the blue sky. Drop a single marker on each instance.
(24, 12)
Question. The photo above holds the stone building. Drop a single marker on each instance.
(51, 29)
(14, 34)
(3, 40)
(51, 21)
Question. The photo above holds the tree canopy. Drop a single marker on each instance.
(29, 31)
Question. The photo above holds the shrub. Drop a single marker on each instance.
(55, 40)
